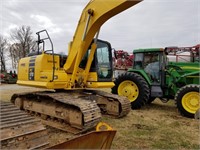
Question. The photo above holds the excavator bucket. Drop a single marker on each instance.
(100, 139)
(92, 140)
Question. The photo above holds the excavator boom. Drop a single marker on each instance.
(94, 15)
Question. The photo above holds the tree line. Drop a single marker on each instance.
(18, 45)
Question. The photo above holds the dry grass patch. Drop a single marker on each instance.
(157, 126)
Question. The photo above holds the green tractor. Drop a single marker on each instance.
(166, 74)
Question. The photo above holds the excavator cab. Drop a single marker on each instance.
(45, 68)
(102, 62)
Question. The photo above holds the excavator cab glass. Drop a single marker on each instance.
(102, 62)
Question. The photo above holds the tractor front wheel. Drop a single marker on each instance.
(188, 100)
(134, 87)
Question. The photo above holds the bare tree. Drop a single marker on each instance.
(14, 51)
(24, 43)
(3, 48)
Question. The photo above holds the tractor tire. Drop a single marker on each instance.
(188, 100)
(134, 87)
(150, 100)
(197, 114)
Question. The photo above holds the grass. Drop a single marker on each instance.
(155, 126)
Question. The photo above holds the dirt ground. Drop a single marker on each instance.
(155, 126)
(55, 136)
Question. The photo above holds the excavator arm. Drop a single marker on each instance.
(94, 15)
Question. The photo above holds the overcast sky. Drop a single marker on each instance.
(151, 23)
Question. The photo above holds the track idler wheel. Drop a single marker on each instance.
(19, 103)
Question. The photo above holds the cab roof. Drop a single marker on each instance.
(143, 50)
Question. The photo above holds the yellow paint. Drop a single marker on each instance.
(191, 102)
(128, 89)
(102, 126)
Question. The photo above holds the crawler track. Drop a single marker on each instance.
(20, 131)
(111, 104)
(73, 111)
(64, 111)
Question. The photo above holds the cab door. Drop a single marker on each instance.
(104, 61)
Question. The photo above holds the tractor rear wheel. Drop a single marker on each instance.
(188, 100)
(150, 100)
(134, 87)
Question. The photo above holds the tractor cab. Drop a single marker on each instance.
(167, 70)
(150, 63)
(149, 60)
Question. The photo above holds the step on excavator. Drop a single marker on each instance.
(72, 101)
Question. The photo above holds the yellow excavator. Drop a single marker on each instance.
(73, 104)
